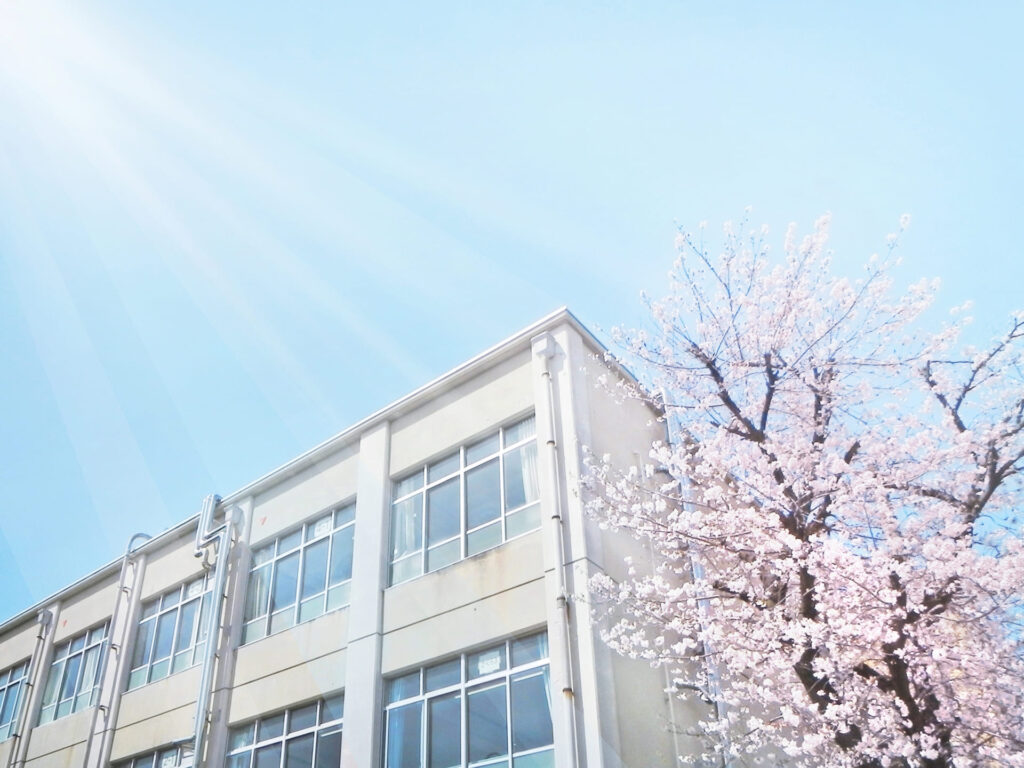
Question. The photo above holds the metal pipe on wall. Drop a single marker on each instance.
(44, 621)
(220, 537)
(545, 347)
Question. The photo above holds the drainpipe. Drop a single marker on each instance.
(544, 347)
(44, 621)
(205, 537)
(110, 710)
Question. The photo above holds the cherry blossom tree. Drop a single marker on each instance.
(839, 564)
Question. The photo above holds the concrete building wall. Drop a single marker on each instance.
(607, 711)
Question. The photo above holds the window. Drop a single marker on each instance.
(73, 683)
(480, 709)
(472, 499)
(179, 756)
(300, 575)
(172, 633)
(12, 682)
(308, 736)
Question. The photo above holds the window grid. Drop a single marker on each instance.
(73, 680)
(317, 557)
(306, 736)
(179, 756)
(413, 553)
(12, 683)
(171, 634)
(537, 753)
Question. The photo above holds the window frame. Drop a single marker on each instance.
(196, 591)
(63, 654)
(261, 624)
(466, 467)
(320, 729)
(463, 689)
(184, 757)
(16, 675)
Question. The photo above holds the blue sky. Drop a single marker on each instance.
(227, 231)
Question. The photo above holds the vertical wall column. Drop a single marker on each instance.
(363, 696)
(38, 671)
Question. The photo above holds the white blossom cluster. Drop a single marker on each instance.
(840, 565)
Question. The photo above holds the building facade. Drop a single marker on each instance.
(410, 593)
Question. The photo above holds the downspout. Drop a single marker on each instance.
(205, 537)
(44, 620)
(544, 346)
(106, 738)
(110, 711)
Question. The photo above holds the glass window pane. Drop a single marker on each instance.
(488, 723)
(70, 687)
(302, 718)
(299, 752)
(186, 624)
(527, 649)
(445, 554)
(443, 511)
(270, 727)
(486, 662)
(524, 429)
(536, 760)
(263, 555)
(171, 598)
(409, 484)
(241, 736)
(404, 687)
(521, 476)
(143, 644)
(522, 521)
(53, 682)
(319, 527)
(406, 569)
(483, 538)
(341, 555)
(345, 515)
(10, 704)
(338, 596)
(403, 750)
(150, 609)
(90, 668)
(314, 569)
(445, 731)
(286, 579)
(328, 749)
(78, 643)
(443, 675)
(144, 762)
(531, 711)
(482, 449)
(257, 593)
(332, 709)
(289, 542)
(483, 494)
(164, 636)
(239, 761)
(268, 757)
(443, 468)
(195, 588)
(407, 527)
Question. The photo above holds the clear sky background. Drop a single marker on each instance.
(229, 230)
